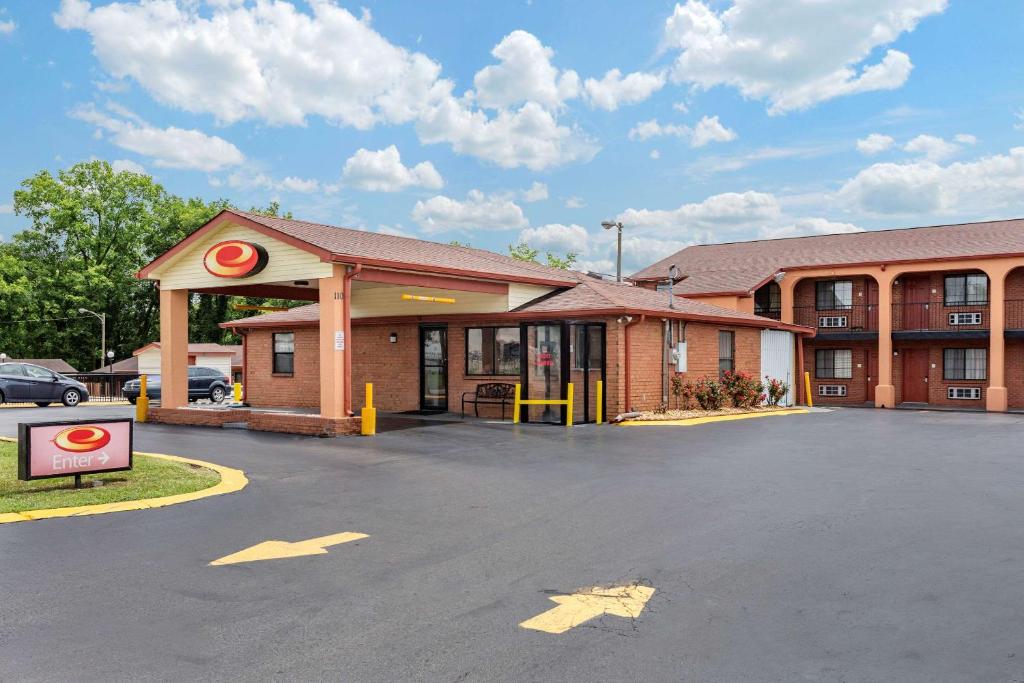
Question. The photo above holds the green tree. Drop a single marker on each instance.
(524, 252)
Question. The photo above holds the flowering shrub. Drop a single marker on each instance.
(682, 391)
(776, 390)
(710, 393)
(742, 389)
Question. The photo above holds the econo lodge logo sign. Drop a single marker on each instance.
(82, 439)
(235, 259)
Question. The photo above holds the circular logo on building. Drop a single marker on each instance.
(235, 258)
(82, 439)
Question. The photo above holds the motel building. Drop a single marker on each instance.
(918, 317)
(428, 323)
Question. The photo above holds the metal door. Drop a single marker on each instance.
(586, 368)
(915, 303)
(915, 375)
(777, 359)
(434, 368)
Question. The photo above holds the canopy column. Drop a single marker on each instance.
(173, 348)
(334, 338)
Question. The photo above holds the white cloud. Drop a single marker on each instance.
(876, 143)
(965, 138)
(708, 129)
(655, 154)
(992, 183)
(524, 74)
(383, 171)
(275, 63)
(793, 53)
(127, 165)
(477, 212)
(558, 238)
(809, 226)
(727, 211)
(681, 107)
(574, 203)
(614, 89)
(168, 147)
(1019, 115)
(535, 193)
(931, 147)
(249, 180)
(7, 27)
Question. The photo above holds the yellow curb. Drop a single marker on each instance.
(58, 404)
(231, 480)
(713, 418)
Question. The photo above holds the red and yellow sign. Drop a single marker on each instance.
(235, 259)
(82, 439)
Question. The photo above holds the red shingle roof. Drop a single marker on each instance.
(742, 266)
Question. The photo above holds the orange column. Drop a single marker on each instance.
(787, 287)
(173, 348)
(885, 392)
(996, 398)
(333, 341)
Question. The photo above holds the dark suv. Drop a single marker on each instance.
(28, 383)
(202, 383)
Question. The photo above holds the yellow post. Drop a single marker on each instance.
(600, 401)
(368, 425)
(238, 392)
(568, 405)
(807, 389)
(142, 403)
(515, 409)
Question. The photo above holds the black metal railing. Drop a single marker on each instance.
(773, 313)
(854, 318)
(936, 317)
(104, 386)
(1014, 314)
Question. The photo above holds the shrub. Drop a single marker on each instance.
(682, 392)
(710, 393)
(743, 390)
(776, 390)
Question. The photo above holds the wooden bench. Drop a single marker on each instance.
(490, 393)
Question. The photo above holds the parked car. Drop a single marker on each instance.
(28, 383)
(202, 383)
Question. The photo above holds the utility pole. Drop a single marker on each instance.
(608, 225)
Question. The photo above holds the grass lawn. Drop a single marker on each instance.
(150, 478)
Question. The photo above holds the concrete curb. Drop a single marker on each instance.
(231, 480)
(713, 418)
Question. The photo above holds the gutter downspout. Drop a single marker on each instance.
(799, 379)
(628, 382)
(346, 322)
(666, 350)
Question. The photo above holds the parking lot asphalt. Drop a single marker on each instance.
(853, 545)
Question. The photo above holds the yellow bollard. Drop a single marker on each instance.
(807, 389)
(238, 392)
(568, 404)
(142, 403)
(515, 409)
(368, 424)
(600, 401)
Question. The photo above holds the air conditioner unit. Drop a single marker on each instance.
(832, 390)
(832, 321)
(965, 393)
(965, 318)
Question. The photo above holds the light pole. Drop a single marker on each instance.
(110, 361)
(608, 225)
(673, 275)
(103, 332)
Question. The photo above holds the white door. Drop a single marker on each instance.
(777, 353)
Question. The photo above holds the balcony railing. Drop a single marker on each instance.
(773, 313)
(937, 317)
(855, 318)
(1015, 314)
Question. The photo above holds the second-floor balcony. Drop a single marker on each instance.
(857, 321)
(935, 319)
(1014, 323)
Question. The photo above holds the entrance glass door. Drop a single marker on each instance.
(586, 358)
(434, 368)
(543, 372)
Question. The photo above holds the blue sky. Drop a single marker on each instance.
(691, 122)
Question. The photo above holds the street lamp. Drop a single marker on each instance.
(608, 225)
(110, 361)
(673, 275)
(103, 332)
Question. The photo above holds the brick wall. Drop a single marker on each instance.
(299, 390)
(1015, 372)
(937, 386)
(856, 386)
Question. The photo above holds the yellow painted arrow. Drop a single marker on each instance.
(575, 609)
(276, 550)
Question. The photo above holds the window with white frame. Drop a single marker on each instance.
(283, 361)
(832, 390)
(964, 393)
(832, 321)
(964, 364)
(833, 364)
(831, 295)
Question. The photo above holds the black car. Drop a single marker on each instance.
(202, 383)
(27, 383)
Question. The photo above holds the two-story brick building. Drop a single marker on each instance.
(916, 316)
(427, 322)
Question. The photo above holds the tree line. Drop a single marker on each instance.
(91, 228)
